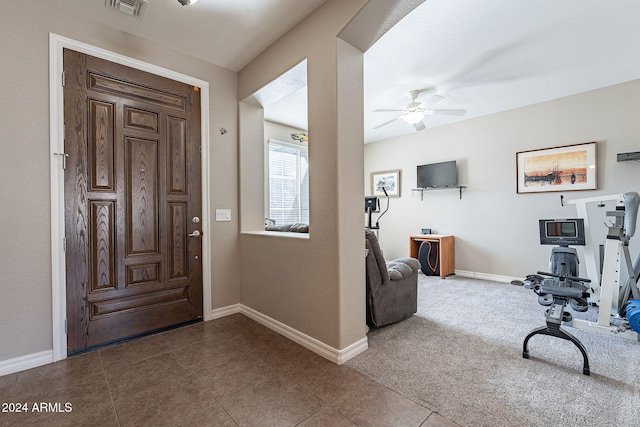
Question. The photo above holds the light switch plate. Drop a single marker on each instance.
(223, 214)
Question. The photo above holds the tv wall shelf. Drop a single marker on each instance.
(422, 190)
(626, 157)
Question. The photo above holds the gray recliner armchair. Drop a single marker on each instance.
(392, 288)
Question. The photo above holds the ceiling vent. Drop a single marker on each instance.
(135, 8)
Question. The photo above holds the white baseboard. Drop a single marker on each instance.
(334, 355)
(225, 311)
(352, 351)
(23, 363)
(485, 276)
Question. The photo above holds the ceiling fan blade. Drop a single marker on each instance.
(434, 99)
(447, 112)
(382, 110)
(419, 126)
(386, 123)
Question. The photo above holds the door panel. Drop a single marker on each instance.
(178, 241)
(102, 261)
(141, 176)
(101, 145)
(132, 186)
(177, 167)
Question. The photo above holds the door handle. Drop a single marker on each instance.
(195, 234)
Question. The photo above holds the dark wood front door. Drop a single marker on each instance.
(132, 199)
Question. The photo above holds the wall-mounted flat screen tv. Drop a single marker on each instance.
(438, 175)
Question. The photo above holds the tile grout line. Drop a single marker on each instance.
(113, 404)
(193, 371)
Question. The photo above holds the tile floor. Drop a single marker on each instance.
(226, 372)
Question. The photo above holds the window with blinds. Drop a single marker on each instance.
(288, 182)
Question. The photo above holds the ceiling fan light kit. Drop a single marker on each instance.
(413, 117)
(187, 2)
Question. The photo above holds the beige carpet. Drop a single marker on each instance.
(461, 355)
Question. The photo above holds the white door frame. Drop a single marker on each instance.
(56, 128)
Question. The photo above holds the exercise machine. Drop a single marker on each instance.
(556, 291)
(371, 206)
(618, 304)
(561, 286)
(613, 298)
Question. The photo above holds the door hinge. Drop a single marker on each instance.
(66, 328)
(64, 244)
(64, 159)
(64, 81)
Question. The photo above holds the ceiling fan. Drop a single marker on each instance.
(414, 112)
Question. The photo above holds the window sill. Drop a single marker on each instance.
(285, 234)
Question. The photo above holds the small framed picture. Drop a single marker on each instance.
(388, 181)
(567, 168)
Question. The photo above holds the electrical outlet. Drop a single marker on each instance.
(223, 214)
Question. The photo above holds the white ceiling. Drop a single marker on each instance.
(484, 56)
(228, 33)
(495, 55)
(491, 56)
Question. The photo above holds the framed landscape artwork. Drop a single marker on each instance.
(390, 180)
(567, 168)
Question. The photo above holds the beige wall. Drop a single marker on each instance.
(316, 284)
(495, 228)
(25, 254)
(279, 132)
